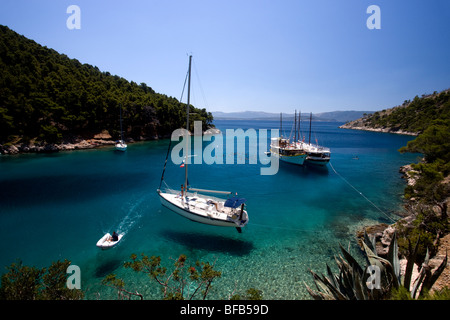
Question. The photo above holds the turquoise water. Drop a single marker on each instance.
(56, 206)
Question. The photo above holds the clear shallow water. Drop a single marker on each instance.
(57, 206)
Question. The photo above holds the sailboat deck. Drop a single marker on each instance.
(205, 207)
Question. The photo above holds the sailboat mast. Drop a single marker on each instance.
(121, 130)
(187, 125)
(295, 126)
(310, 119)
(281, 124)
(299, 119)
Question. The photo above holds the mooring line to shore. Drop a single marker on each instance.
(360, 193)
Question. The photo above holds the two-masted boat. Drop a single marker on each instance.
(195, 204)
(286, 150)
(298, 151)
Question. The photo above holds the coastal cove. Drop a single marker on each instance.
(57, 205)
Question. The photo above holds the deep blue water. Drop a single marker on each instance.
(56, 206)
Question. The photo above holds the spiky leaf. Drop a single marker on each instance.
(358, 287)
(393, 256)
(431, 279)
(353, 263)
(410, 264)
(369, 241)
(373, 258)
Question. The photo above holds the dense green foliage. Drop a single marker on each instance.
(30, 283)
(413, 116)
(428, 195)
(431, 188)
(434, 144)
(46, 96)
(418, 238)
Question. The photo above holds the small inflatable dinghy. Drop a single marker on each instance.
(105, 242)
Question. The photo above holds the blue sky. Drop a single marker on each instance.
(258, 55)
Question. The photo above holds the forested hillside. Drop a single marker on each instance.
(412, 116)
(49, 98)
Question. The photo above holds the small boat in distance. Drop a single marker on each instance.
(107, 242)
(121, 145)
(193, 203)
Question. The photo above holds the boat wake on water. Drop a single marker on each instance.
(131, 218)
(125, 225)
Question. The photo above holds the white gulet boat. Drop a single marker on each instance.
(286, 150)
(191, 203)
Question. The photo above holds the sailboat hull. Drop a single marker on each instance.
(317, 161)
(176, 204)
(297, 159)
(123, 149)
(121, 146)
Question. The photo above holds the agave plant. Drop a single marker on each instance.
(376, 280)
(426, 279)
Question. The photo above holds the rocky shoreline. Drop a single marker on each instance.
(76, 143)
(356, 125)
(48, 148)
(98, 140)
(383, 234)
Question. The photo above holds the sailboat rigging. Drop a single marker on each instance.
(316, 154)
(285, 150)
(298, 151)
(192, 204)
(121, 145)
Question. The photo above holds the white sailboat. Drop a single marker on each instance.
(194, 204)
(121, 145)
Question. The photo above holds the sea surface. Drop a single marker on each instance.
(56, 206)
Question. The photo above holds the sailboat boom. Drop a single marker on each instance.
(212, 191)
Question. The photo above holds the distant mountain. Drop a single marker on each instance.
(342, 116)
(338, 116)
(244, 115)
